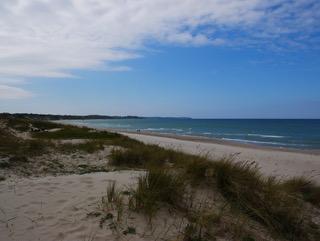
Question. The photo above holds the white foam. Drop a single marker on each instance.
(266, 136)
(263, 142)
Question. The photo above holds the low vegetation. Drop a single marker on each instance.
(74, 132)
(262, 199)
(12, 145)
(277, 205)
(303, 188)
(148, 156)
(155, 189)
(284, 208)
(23, 124)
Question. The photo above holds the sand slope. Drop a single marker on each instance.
(272, 162)
(56, 208)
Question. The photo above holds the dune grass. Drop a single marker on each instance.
(42, 139)
(200, 225)
(304, 188)
(90, 146)
(143, 155)
(261, 199)
(155, 189)
(139, 156)
(12, 145)
(75, 132)
(266, 200)
(22, 124)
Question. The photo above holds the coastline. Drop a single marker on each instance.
(282, 163)
(289, 135)
(212, 140)
(200, 138)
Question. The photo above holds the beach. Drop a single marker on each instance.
(70, 183)
(283, 163)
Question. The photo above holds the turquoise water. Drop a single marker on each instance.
(302, 134)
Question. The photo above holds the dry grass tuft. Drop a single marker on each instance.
(155, 189)
(304, 188)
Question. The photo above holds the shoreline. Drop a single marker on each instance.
(204, 139)
(279, 162)
(282, 141)
(271, 162)
(212, 140)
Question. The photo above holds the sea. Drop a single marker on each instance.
(282, 133)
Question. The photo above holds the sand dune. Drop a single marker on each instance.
(56, 208)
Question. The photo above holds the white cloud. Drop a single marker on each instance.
(45, 38)
(9, 92)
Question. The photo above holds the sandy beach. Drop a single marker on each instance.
(56, 208)
(55, 182)
(282, 163)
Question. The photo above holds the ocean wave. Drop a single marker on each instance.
(266, 136)
(251, 134)
(264, 142)
(123, 126)
(163, 129)
(207, 133)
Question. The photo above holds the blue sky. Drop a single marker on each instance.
(259, 64)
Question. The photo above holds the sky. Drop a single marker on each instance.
(181, 58)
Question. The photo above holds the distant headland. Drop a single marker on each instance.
(64, 117)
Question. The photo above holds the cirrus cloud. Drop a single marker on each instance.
(9, 92)
(44, 38)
